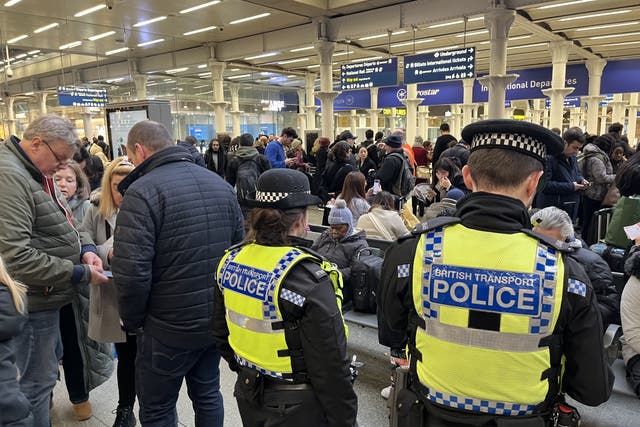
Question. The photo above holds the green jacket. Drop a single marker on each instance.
(38, 244)
(626, 212)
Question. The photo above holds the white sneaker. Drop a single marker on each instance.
(386, 392)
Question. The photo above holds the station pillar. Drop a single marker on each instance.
(362, 120)
(310, 108)
(86, 122)
(498, 21)
(327, 95)
(353, 121)
(11, 117)
(617, 108)
(467, 101)
(633, 118)
(302, 116)
(235, 109)
(140, 83)
(393, 119)
(219, 105)
(42, 101)
(575, 116)
(603, 120)
(595, 67)
(411, 102)
(557, 93)
(373, 111)
(423, 121)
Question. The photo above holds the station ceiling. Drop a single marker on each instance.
(99, 33)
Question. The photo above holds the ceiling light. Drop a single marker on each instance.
(235, 69)
(46, 27)
(610, 36)
(525, 46)
(200, 30)
(33, 52)
(438, 49)
(602, 27)
(17, 39)
(150, 42)
(290, 76)
(346, 52)
(239, 76)
(119, 79)
(11, 3)
(177, 70)
(200, 6)
(22, 55)
(202, 66)
(29, 93)
(473, 33)
(594, 15)
(263, 55)
(446, 24)
(149, 21)
(314, 66)
(204, 93)
(291, 61)
(300, 49)
(249, 18)
(70, 45)
(567, 3)
(168, 80)
(377, 36)
(397, 33)
(90, 10)
(619, 44)
(479, 18)
(205, 74)
(111, 52)
(201, 86)
(412, 42)
(100, 36)
(373, 58)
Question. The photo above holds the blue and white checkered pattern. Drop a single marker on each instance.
(577, 287)
(547, 267)
(432, 253)
(479, 405)
(244, 362)
(403, 271)
(269, 309)
(292, 297)
(227, 261)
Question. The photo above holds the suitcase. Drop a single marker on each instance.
(365, 276)
(615, 257)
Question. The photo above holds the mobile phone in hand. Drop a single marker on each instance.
(108, 273)
(376, 186)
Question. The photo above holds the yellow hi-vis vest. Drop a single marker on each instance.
(457, 271)
(250, 277)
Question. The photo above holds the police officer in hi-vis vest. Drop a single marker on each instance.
(498, 321)
(278, 318)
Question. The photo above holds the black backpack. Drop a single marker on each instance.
(365, 276)
(405, 181)
(246, 178)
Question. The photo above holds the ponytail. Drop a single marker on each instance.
(18, 291)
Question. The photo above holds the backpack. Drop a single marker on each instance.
(246, 178)
(406, 180)
(365, 276)
(582, 160)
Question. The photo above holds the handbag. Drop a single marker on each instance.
(612, 196)
(423, 172)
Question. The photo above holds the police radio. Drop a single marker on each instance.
(564, 415)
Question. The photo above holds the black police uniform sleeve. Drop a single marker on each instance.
(323, 339)
(220, 330)
(394, 296)
(587, 377)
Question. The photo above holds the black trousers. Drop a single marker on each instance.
(126, 371)
(589, 207)
(72, 363)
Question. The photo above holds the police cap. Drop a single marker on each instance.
(282, 189)
(524, 137)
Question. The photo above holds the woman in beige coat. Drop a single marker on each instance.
(104, 323)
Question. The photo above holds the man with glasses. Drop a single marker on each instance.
(275, 150)
(42, 248)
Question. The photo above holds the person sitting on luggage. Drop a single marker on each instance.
(631, 318)
(383, 221)
(556, 223)
(341, 242)
(445, 207)
(627, 210)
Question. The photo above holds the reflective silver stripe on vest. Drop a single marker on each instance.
(480, 405)
(244, 362)
(252, 324)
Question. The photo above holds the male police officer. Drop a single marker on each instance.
(499, 321)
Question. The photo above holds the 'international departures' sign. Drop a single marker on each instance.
(368, 74)
(440, 65)
(82, 97)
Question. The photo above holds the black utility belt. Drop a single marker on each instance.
(277, 384)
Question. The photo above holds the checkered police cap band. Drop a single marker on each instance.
(520, 142)
(272, 197)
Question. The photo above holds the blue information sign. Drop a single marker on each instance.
(362, 75)
(82, 97)
(569, 101)
(440, 65)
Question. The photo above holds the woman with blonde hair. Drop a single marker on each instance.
(15, 409)
(104, 326)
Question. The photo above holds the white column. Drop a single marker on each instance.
(353, 121)
(557, 93)
(235, 109)
(393, 119)
(362, 120)
(302, 117)
(219, 104)
(86, 122)
(423, 120)
(498, 21)
(11, 118)
(595, 67)
(310, 108)
(327, 95)
(603, 120)
(575, 116)
(467, 101)
(411, 103)
(633, 118)
(42, 100)
(546, 118)
(373, 111)
(140, 83)
(617, 108)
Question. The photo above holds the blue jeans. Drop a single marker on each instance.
(160, 370)
(37, 362)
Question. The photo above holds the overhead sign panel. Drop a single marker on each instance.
(82, 97)
(440, 65)
(366, 74)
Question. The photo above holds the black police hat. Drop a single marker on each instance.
(282, 189)
(524, 137)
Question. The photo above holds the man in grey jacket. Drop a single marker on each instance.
(42, 248)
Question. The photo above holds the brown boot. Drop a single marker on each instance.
(82, 411)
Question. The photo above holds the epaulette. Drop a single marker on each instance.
(554, 243)
(434, 223)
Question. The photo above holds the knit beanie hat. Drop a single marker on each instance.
(455, 194)
(340, 214)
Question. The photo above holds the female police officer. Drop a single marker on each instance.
(277, 316)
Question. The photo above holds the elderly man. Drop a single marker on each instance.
(175, 222)
(42, 248)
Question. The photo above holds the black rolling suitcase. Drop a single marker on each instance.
(365, 276)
